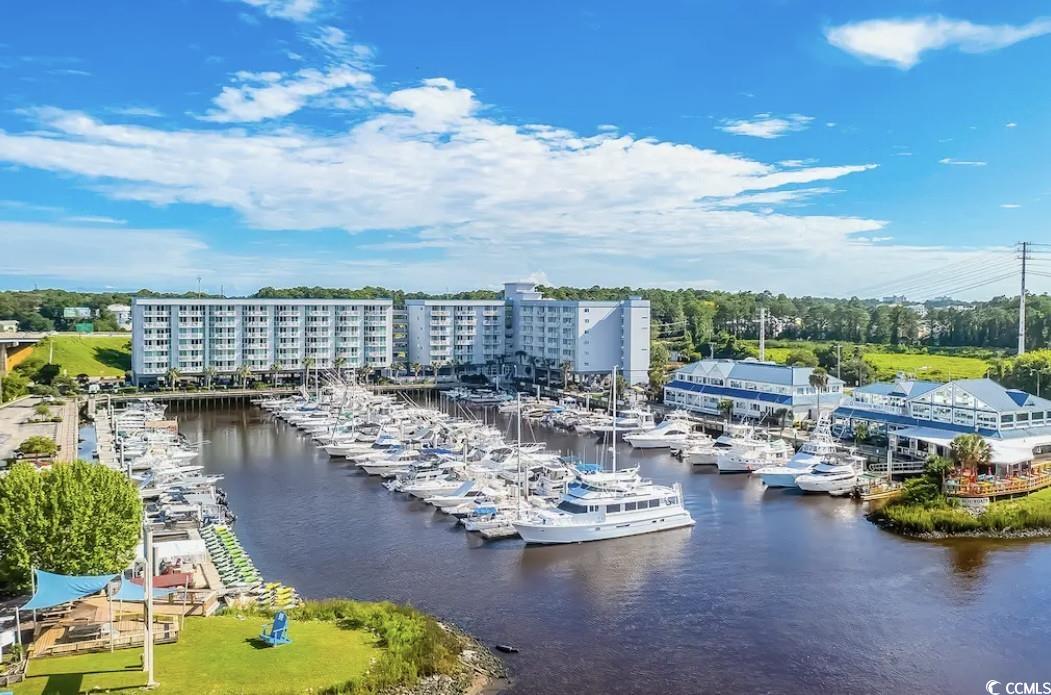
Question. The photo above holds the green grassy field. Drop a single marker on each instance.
(216, 655)
(934, 367)
(87, 354)
(1030, 513)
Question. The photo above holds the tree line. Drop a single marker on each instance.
(688, 318)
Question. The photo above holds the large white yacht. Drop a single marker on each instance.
(604, 508)
(602, 505)
(837, 474)
(819, 447)
(675, 430)
(634, 420)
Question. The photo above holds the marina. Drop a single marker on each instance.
(850, 609)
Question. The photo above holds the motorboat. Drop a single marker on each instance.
(751, 454)
(837, 474)
(820, 446)
(670, 432)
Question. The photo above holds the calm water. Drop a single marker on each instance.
(771, 592)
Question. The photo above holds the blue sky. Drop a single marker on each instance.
(806, 147)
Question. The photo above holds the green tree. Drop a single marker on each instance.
(726, 407)
(243, 373)
(659, 357)
(172, 376)
(42, 410)
(14, 385)
(818, 379)
(77, 518)
(38, 445)
(969, 451)
(801, 358)
(210, 373)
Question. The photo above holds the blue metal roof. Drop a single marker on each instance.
(907, 420)
(751, 370)
(743, 394)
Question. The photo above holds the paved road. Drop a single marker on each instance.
(14, 429)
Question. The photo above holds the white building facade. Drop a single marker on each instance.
(264, 335)
(462, 332)
(756, 390)
(121, 314)
(588, 337)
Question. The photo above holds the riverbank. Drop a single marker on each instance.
(1025, 517)
(337, 646)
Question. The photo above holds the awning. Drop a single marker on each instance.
(56, 589)
(1001, 453)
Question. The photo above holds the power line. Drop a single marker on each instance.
(926, 274)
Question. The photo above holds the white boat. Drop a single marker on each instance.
(630, 421)
(819, 447)
(705, 453)
(747, 455)
(838, 474)
(605, 505)
(670, 432)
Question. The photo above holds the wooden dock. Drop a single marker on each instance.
(499, 533)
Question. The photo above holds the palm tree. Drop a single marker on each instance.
(275, 370)
(308, 364)
(566, 368)
(726, 407)
(209, 376)
(416, 368)
(970, 451)
(818, 380)
(242, 373)
(339, 363)
(172, 377)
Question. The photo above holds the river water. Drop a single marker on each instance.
(771, 592)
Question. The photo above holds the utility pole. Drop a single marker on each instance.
(839, 361)
(147, 612)
(1021, 300)
(762, 334)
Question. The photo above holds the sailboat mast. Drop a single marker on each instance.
(521, 474)
(613, 389)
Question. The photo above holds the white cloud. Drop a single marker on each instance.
(263, 95)
(765, 125)
(466, 199)
(136, 111)
(1010, 125)
(295, 10)
(94, 219)
(961, 162)
(902, 42)
(1010, 206)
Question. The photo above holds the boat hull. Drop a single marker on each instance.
(784, 479)
(550, 534)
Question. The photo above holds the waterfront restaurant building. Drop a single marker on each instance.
(194, 335)
(757, 390)
(921, 418)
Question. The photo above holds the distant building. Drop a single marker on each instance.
(758, 390)
(466, 332)
(122, 315)
(921, 418)
(76, 312)
(8, 326)
(589, 337)
(400, 336)
(264, 335)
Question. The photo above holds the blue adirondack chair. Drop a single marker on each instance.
(278, 634)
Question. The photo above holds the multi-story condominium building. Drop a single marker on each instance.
(760, 390)
(921, 418)
(456, 332)
(400, 336)
(587, 337)
(264, 335)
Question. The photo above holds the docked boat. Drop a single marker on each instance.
(673, 431)
(837, 474)
(819, 447)
(751, 454)
(604, 505)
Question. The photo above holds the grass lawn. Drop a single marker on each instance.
(216, 655)
(87, 354)
(1029, 513)
(933, 367)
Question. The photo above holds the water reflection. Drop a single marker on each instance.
(813, 594)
